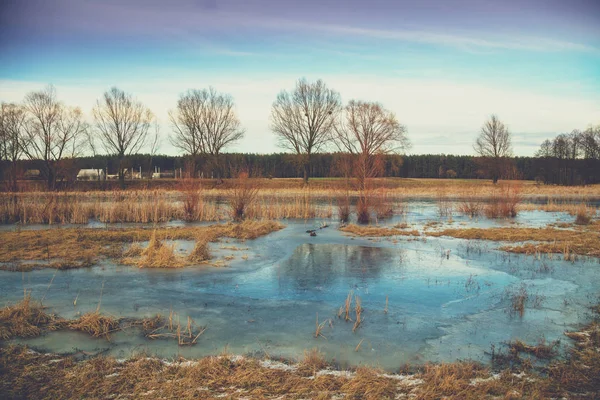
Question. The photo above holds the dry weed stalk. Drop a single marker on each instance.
(158, 328)
(319, 328)
(358, 310)
(347, 306)
(358, 345)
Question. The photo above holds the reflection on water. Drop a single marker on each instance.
(319, 266)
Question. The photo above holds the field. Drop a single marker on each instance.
(265, 288)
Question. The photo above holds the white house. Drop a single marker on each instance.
(90, 175)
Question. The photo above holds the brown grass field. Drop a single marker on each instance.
(65, 248)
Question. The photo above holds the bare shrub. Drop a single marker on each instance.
(471, 207)
(382, 205)
(192, 200)
(504, 202)
(343, 205)
(445, 206)
(242, 195)
(363, 216)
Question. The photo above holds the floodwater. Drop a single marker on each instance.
(448, 299)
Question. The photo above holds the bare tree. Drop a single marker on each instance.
(123, 124)
(369, 131)
(494, 145)
(53, 132)
(12, 139)
(205, 122)
(188, 130)
(304, 119)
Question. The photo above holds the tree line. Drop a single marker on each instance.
(285, 165)
(324, 137)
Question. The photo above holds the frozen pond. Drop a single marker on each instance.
(449, 299)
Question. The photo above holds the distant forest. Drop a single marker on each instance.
(549, 170)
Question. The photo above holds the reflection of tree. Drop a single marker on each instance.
(320, 265)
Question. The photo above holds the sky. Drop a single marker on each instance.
(443, 67)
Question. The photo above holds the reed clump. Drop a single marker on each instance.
(201, 250)
(26, 319)
(159, 255)
(96, 324)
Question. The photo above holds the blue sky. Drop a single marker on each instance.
(442, 66)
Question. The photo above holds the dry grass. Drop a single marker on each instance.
(26, 319)
(377, 231)
(70, 245)
(583, 241)
(95, 324)
(541, 350)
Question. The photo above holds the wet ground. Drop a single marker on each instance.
(448, 299)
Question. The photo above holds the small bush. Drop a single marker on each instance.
(242, 195)
(584, 215)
